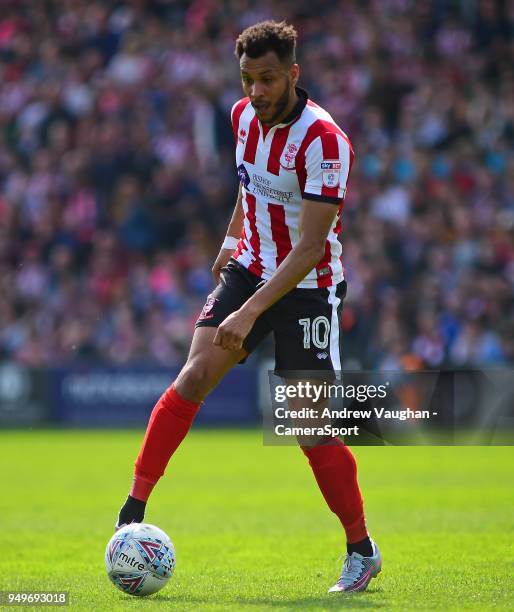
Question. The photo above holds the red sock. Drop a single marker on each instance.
(335, 470)
(169, 423)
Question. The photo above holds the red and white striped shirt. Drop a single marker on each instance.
(308, 156)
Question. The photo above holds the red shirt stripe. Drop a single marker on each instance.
(324, 277)
(338, 226)
(332, 127)
(330, 151)
(325, 280)
(240, 244)
(255, 242)
(280, 231)
(277, 148)
(315, 130)
(253, 140)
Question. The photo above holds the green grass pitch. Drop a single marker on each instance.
(250, 527)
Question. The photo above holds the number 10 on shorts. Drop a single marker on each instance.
(317, 332)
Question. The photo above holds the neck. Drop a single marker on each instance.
(293, 100)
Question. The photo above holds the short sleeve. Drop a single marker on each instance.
(327, 163)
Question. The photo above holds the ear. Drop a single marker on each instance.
(294, 73)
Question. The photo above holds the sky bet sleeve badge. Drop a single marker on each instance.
(331, 172)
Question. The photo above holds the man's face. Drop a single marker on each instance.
(269, 84)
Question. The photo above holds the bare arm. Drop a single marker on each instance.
(235, 227)
(315, 221)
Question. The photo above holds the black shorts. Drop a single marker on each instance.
(306, 323)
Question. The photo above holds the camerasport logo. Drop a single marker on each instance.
(331, 169)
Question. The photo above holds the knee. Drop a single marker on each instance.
(195, 380)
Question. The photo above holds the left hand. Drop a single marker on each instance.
(234, 329)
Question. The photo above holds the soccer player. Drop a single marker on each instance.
(278, 270)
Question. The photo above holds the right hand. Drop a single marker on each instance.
(221, 261)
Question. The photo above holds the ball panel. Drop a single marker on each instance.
(129, 582)
(158, 556)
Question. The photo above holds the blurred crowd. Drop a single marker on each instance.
(117, 175)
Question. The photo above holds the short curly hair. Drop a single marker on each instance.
(265, 36)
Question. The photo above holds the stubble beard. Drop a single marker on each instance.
(280, 105)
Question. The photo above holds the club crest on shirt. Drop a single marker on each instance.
(207, 309)
(287, 161)
(331, 172)
(242, 136)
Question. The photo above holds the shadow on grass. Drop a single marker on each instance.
(328, 601)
